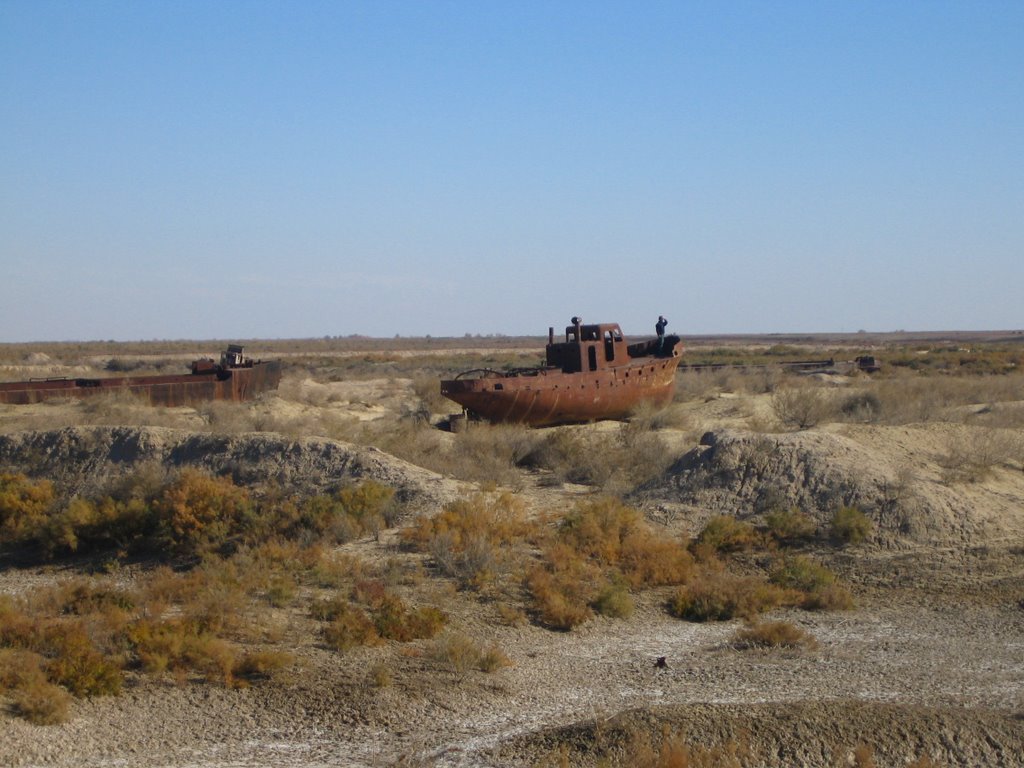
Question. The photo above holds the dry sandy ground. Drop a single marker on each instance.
(929, 664)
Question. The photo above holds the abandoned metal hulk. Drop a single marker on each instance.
(594, 374)
(235, 377)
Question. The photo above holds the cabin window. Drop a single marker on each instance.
(609, 346)
(592, 357)
(499, 386)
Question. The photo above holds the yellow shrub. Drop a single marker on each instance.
(24, 505)
(199, 511)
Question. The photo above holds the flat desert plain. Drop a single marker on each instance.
(774, 570)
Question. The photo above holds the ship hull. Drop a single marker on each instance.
(234, 384)
(547, 397)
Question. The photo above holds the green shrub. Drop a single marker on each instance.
(850, 526)
(614, 601)
(366, 502)
(819, 587)
(790, 525)
(724, 533)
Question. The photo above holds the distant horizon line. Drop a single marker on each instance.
(980, 334)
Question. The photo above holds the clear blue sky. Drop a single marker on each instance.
(293, 169)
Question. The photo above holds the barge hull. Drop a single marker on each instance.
(233, 384)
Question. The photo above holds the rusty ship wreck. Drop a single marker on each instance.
(235, 377)
(594, 374)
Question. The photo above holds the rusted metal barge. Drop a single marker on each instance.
(235, 377)
(594, 374)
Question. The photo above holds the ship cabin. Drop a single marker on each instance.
(587, 347)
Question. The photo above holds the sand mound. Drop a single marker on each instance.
(799, 733)
(898, 476)
(84, 459)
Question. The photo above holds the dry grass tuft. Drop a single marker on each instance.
(773, 634)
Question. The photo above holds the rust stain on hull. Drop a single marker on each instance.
(594, 374)
(234, 378)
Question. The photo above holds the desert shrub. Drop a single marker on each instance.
(24, 504)
(649, 560)
(352, 511)
(820, 588)
(720, 596)
(281, 590)
(864, 757)
(802, 406)
(562, 589)
(611, 533)
(75, 663)
(724, 533)
(395, 621)
(861, 406)
(470, 538)
(183, 645)
(574, 456)
(640, 454)
(850, 526)
(366, 501)
(491, 452)
(973, 457)
(212, 657)
(199, 512)
(597, 529)
(41, 703)
(591, 559)
(671, 750)
(831, 597)
(260, 665)
(492, 658)
(773, 634)
(510, 615)
(462, 654)
(458, 652)
(428, 391)
(350, 627)
(389, 618)
(617, 460)
(34, 697)
(614, 601)
(790, 525)
(802, 573)
(648, 417)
